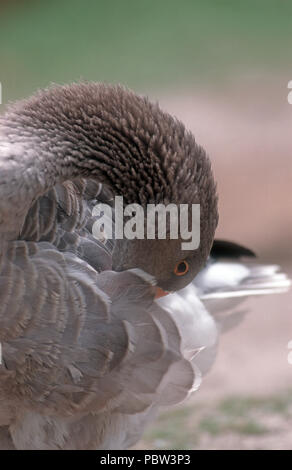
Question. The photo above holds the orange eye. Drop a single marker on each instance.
(181, 268)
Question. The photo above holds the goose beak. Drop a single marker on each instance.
(160, 292)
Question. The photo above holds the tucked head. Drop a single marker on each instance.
(110, 134)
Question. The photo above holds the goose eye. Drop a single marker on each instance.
(181, 268)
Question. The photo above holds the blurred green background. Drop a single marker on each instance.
(143, 44)
(222, 67)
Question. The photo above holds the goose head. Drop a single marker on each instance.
(109, 133)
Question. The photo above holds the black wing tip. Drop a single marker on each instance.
(226, 249)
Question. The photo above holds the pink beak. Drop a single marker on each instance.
(160, 293)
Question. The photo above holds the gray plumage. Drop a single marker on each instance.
(88, 356)
(85, 349)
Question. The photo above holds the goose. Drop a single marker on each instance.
(91, 347)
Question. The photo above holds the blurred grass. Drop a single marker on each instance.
(142, 44)
(184, 427)
(172, 430)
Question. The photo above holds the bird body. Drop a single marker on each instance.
(88, 355)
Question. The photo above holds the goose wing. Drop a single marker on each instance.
(82, 347)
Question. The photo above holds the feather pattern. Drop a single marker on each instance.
(87, 354)
(93, 351)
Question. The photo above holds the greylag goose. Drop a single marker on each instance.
(88, 354)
